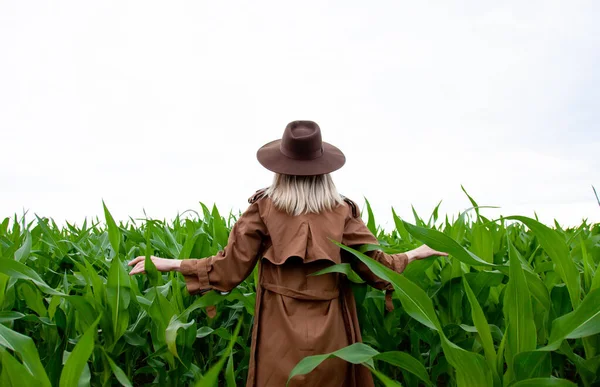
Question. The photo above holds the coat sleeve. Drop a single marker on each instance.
(356, 233)
(234, 263)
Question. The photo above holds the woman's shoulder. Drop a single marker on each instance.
(352, 205)
(257, 195)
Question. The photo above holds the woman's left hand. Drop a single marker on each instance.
(162, 264)
(423, 252)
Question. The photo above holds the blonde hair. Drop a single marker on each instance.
(298, 195)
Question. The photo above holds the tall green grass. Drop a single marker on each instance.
(515, 303)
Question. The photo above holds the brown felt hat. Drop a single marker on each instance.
(301, 151)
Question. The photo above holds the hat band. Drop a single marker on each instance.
(305, 156)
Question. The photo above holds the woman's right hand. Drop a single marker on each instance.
(423, 252)
(162, 264)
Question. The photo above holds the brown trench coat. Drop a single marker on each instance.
(296, 315)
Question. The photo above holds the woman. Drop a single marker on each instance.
(289, 227)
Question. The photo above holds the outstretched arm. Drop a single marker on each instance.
(356, 233)
(397, 262)
(229, 267)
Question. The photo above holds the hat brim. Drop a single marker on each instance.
(270, 157)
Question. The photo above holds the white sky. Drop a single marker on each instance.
(160, 105)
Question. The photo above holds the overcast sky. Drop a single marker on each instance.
(160, 105)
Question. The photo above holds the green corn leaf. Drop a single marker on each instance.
(442, 242)
(229, 375)
(557, 250)
(518, 312)
(532, 364)
(418, 220)
(16, 269)
(481, 281)
(118, 294)
(206, 331)
(207, 299)
(343, 268)
(176, 292)
(550, 382)
(52, 236)
(371, 221)
(537, 289)
(114, 234)
(8, 316)
(596, 279)
(118, 372)
(85, 309)
(79, 357)
(587, 369)
(98, 286)
(482, 326)
(14, 374)
(206, 214)
(219, 228)
(415, 301)
(359, 353)
(171, 333)
(211, 377)
(501, 349)
(496, 332)
(174, 248)
(587, 264)
(33, 298)
(188, 245)
(154, 277)
(356, 353)
(434, 215)
(582, 322)
(482, 244)
(25, 347)
(400, 227)
(4, 281)
(475, 206)
(161, 311)
(471, 368)
(248, 300)
(406, 362)
(23, 252)
(387, 382)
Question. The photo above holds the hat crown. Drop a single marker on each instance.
(302, 140)
(301, 151)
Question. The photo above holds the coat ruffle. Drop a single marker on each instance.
(306, 242)
(310, 236)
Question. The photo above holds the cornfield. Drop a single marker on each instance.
(516, 303)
